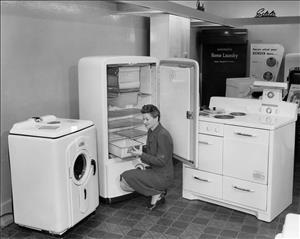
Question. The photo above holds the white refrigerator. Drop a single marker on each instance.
(113, 89)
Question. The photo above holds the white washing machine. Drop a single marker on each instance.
(54, 172)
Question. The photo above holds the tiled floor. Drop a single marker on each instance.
(178, 218)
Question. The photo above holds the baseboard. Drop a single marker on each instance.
(6, 220)
(6, 213)
(6, 207)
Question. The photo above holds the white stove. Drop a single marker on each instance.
(245, 155)
(249, 113)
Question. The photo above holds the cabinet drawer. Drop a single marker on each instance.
(210, 153)
(202, 183)
(246, 134)
(245, 193)
(210, 128)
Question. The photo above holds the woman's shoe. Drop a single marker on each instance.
(160, 201)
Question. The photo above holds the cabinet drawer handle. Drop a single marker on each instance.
(243, 189)
(201, 179)
(243, 134)
(204, 142)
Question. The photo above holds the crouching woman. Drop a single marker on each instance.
(155, 179)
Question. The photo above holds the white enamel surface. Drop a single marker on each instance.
(49, 126)
(204, 183)
(245, 193)
(257, 157)
(43, 181)
(175, 82)
(256, 113)
(245, 153)
(210, 152)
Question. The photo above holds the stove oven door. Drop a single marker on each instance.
(246, 153)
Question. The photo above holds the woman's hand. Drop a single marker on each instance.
(134, 151)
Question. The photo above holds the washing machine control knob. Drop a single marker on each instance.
(37, 119)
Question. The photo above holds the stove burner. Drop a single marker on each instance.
(224, 116)
(237, 113)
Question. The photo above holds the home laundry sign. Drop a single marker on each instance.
(224, 55)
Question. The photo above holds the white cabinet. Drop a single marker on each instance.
(204, 183)
(246, 153)
(243, 168)
(210, 147)
(245, 193)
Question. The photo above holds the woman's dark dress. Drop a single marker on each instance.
(158, 155)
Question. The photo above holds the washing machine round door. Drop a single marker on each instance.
(81, 167)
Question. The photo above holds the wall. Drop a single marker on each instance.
(288, 35)
(41, 43)
(232, 9)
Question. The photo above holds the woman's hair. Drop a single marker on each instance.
(152, 110)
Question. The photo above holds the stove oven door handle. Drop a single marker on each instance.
(244, 134)
(201, 179)
(204, 142)
(243, 189)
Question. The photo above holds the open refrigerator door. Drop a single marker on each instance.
(179, 104)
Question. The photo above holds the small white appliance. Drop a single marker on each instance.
(291, 227)
(54, 172)
(239, 87)
(246, 154)
(112, 91)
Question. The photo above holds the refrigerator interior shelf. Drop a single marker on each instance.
(143, 94)
(123, 112)
(121, 148)
(122, 123)
(131, 133)
(115, 91)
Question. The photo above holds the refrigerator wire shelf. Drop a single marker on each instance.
(122, 123)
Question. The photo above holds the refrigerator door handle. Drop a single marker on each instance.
(189, 114)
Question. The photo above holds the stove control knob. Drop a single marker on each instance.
(270, 94)
(269, 110)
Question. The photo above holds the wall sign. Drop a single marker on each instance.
(262, 12)
(265, 61)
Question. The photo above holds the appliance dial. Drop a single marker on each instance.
(269, 110)
(270, 94)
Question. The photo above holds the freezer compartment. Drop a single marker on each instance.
(120, 148)
(129, 85)
(123, 79)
